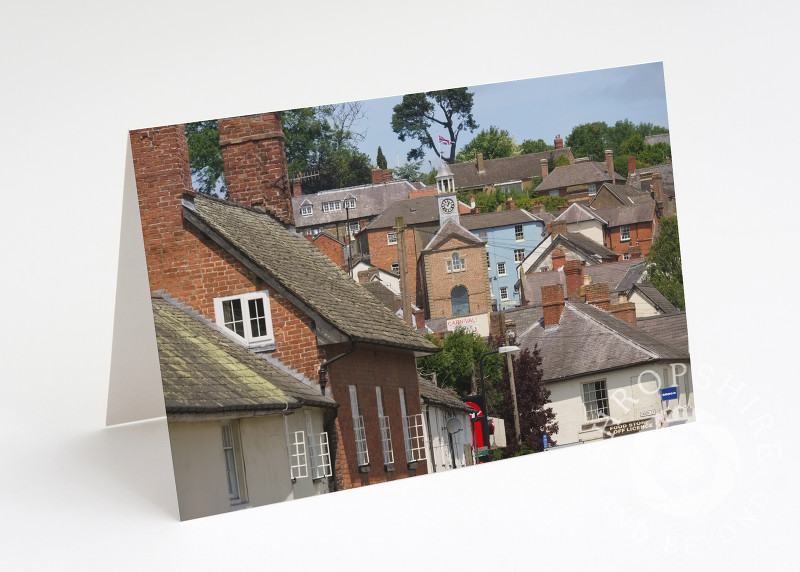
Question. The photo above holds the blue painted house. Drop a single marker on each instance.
(510, 236)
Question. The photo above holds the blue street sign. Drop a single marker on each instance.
(668, 393)
(544, 438)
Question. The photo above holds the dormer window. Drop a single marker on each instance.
(350, 203)
(306, 210)
(246, 318)
(331, 206)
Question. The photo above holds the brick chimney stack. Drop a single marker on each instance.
(419, 317)
(598, 295)
(631, 164)
(624, 310)
(510, 204)
(559, 142)
(558, 226)
(573, 271)
(545, 169)
(552, 304)
(558, 259)
(297, 189)
(610, 163)
(255, 163)
(658, 188)
(479, 157)
(635, 251)
(381, 176)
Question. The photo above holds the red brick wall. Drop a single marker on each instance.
(191, 268)
(329, 247)
(552, 303)
(366, 368)
(383, 254)
(641, 232)
(255, 163)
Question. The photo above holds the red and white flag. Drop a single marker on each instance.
(443, 141)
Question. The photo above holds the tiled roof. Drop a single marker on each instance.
(204, 372)
(590, 246)
(627, 194)
(413, 211)
(613, 273)
(667, 179)
(577, 174)
(657, 298)
(587, 340)
(653, 139)
(451, 229)
(443, 397)
(304, 272)
(536, 280)
(631, 214)
(669, 328)
(502, 170)
(498, 218)
(577, 212)
(371, 200)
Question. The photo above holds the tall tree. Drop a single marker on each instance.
(449, 109)
(664, 269)
(589, 140)
(494, 143)
(455, 364)
(316, 140)
(205, 157)
(535, 420)
(409, 172)
(380, 159)
(531, 146)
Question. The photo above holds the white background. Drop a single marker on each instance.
(75, 79)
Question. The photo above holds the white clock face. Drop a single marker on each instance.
(448, 205)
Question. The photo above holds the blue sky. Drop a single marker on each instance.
(539, 108)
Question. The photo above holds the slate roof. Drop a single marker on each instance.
(667, 178)
(669, 328)
(498, 218)
(631, 214)
(657, 298)
(575, 242)
(504, 170)
(587, 340)
(577, 212)
(577, 174)
(371, 200)
(413, 211)
(451, 229)
(306, 272)
(443, 397)
(627, 194)
(616, 274)
(653, 139)
(204, 372)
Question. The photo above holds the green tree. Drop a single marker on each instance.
(562, 161)
(494, 143)
(589, 140)
(592, 139)
(455, 364)
(450, 109)
(535, 419)
(316, 141)
(409, 172)
(664, 269)
(205, 157)
(380, 160)
(531, 146)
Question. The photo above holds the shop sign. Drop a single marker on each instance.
(629, 427)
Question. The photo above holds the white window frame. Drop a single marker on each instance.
(501, 269)
(248, 339)
(350, 203)
(395, 267)
(624, 233)
(362, 451)
(312, 230)
(594, 395)
(415, 438)
(391, 237)
(592, 189)
(519, 254)
(386, 433)
(229, 450)
(307, 210)
(354, 228)
(331, 206)
(519, 232)
(504, 292)
(456, 263)
(298, 458)
(321, 455)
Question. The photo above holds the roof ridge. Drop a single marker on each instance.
(575, 307)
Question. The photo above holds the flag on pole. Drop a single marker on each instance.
(443, 141)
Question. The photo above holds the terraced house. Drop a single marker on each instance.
(283, 377)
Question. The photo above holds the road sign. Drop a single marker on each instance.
(544, 438)
(668, 393)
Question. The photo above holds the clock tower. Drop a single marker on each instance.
(446, 194)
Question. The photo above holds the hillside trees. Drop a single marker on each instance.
(664, 269)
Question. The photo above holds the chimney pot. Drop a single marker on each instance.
(545, 169)
(610, 163)
(631, 164)
(559, 142)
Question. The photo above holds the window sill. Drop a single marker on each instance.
(363, 469)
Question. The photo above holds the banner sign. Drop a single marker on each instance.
(629, 427)
(469, 323)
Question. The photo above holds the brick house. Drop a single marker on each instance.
(271, 291)
(579, 181)
(332, 248)
(455, 281)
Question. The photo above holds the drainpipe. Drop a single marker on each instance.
(323, 369)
